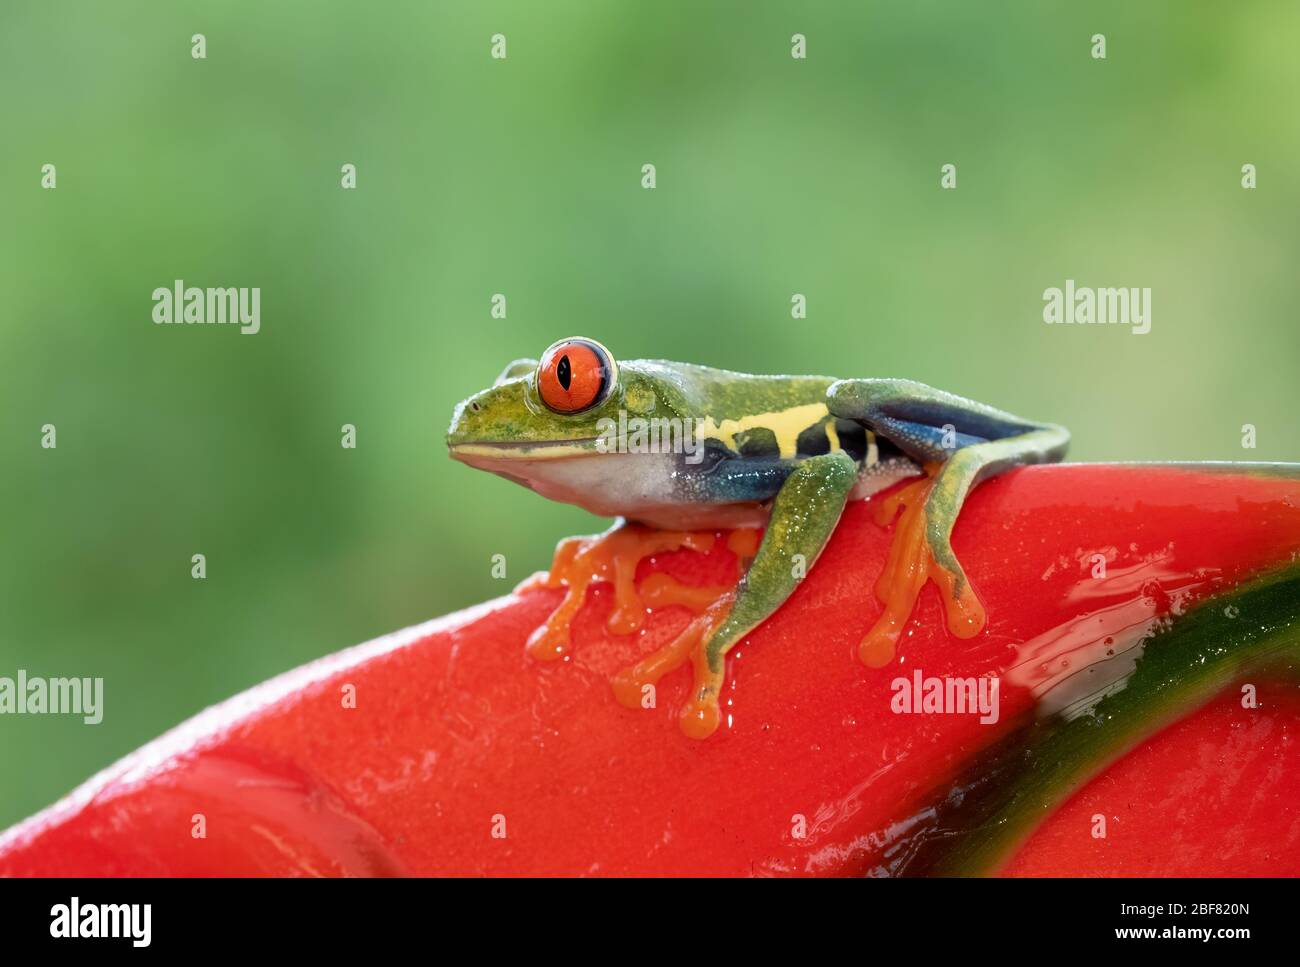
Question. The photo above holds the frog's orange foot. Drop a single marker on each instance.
(910, 564)
(614, 556)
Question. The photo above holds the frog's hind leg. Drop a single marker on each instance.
(959, 442)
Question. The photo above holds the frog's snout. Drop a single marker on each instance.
(474, 420)
(456, 431)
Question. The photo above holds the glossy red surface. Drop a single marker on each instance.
(1214, 795)
(457, 732)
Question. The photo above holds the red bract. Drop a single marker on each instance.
(1214, 795)
(463, 755)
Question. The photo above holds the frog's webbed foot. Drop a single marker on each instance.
(700, 715)
(613, 556)
(920, 551)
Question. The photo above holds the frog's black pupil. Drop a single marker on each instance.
(563, 372)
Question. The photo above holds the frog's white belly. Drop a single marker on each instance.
(639, 486)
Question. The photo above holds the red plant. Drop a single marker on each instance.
(1133, 614)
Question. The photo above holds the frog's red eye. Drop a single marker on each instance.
(574, 374)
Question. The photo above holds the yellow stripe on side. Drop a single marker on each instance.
(832, 435)
(786, 425)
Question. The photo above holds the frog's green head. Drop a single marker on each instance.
(553, 408)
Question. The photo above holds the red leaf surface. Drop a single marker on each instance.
(457, 734)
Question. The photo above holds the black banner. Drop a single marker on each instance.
(938, 916)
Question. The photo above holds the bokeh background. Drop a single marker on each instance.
(478, 176)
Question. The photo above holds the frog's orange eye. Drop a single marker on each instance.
(574, 374)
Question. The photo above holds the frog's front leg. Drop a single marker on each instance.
(959, 442)
(804, 515)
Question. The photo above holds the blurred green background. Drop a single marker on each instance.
(478, 176)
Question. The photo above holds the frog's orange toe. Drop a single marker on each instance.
(701, 717)
(966, 617)
(551, 641)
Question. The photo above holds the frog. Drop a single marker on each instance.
(680, 454)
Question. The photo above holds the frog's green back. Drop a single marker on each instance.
(704, 392)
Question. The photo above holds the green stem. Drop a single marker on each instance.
(972, 825)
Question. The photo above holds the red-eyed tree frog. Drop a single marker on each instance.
(680, 451)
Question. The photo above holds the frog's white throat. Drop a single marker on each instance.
(645, 487)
